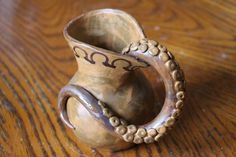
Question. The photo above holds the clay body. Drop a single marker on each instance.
(109, 102)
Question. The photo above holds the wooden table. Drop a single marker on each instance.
(35, 62)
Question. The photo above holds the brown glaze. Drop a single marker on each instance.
(108, 70)
(108, 75)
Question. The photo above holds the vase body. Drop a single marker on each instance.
(97, 39)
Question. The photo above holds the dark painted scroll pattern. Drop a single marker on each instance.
(107, 62)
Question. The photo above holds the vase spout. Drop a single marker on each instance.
(109, 29)
(97, 39)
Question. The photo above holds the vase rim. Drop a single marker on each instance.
(101, 11)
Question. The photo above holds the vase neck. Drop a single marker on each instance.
(97, 39)
(99, 70)
(103, 63)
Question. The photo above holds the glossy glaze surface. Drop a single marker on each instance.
(97, 39)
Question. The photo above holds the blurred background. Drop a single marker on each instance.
(35, 62)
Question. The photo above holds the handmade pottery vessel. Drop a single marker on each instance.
(109, 102)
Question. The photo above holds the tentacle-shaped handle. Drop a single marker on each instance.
(163, 61)
(86, 99)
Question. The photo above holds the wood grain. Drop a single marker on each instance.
(35, 62)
